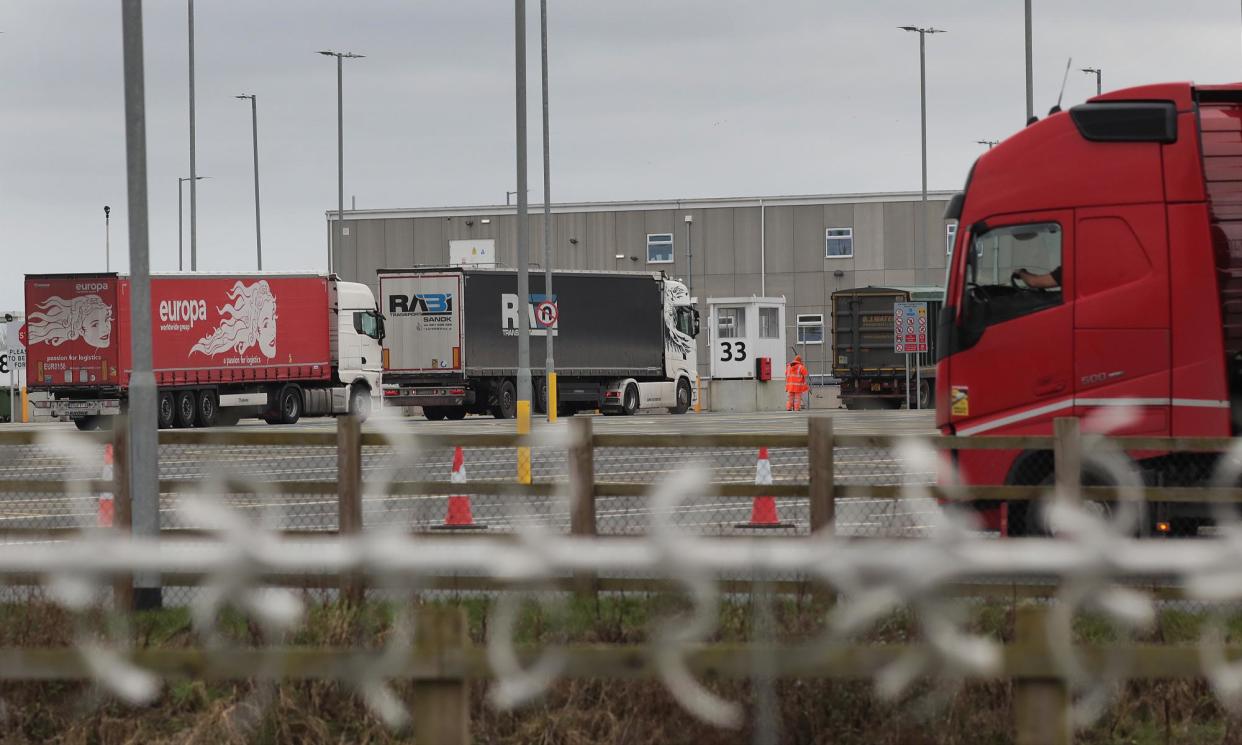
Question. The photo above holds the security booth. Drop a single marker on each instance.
(747, 353)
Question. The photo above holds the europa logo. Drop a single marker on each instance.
(183, 310)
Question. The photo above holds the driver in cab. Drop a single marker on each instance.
(1040, 281)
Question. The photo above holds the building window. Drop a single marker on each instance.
(811, 328)
(838, 243)
(769, 323)
(950, 232)
(731, 323)
(659, 248)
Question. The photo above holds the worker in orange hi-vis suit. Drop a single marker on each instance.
(795, 384)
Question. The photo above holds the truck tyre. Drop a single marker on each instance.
(290, 405)
(433, 413)
(360, 402)
(166, 412)
(187, 407)
(455, 413)
(208, 409)
(506, 401)
(629, 400)
(927, 394)
(683, 397)
(87, 423)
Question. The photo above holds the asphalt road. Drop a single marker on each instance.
(705, 515)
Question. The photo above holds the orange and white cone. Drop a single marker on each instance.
(763, 509)
(458, 516)
(104, 511)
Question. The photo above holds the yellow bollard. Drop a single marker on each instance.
(523, 453)
(551, 397)
(25, 406)
(698, 400)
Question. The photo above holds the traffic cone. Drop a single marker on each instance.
(763, 510)
(458, 516)
(104, 516)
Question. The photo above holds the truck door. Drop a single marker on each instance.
(1121, 317)
(1011, 364)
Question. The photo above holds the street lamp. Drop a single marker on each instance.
(550, 398)
(254, 126)
(921, 243)
(989, 143)
(107, 238)
(181, 230)
(193, 167)
(1097, 72)
(340, 148)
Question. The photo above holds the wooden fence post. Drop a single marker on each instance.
(1040, 705)
(442, 706)
(582, 493)
(1067, 457)
(349, 495)
(122, 508)
(822, 479)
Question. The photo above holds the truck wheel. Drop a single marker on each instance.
(187, 407)
(290, 403)
(455, 413)
(166, 413)
(629, 400)
(87, 423)
(683, 397)
(208, 409)
(360, 402)
(506, 401)
(927, 395)
(433, 413)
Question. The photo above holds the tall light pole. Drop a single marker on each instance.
(523, 243)
(254, 127)
(549, 364)
(1030, 75)
(920, 237)
(180, 230)
(338, 234)
(1099, 89)
(143, 452)
(193, 169)
(107, 238)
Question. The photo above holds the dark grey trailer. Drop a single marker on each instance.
(452, 338)
(872, 375)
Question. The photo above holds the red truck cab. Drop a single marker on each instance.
(1130, 207)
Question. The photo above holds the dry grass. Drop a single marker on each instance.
(574, 712)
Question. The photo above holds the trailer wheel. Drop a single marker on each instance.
(290, 402)
(87, 423)
(187, 407)
(166, 414)
(433, 413)
(683, 397)
(208, 409)
(927, 395)
(360, 402)
(629, 400)
(506, 401)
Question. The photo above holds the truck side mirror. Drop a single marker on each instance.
(696, 322)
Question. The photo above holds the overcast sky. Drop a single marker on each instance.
(649, 99)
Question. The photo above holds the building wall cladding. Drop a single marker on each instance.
(719, 257)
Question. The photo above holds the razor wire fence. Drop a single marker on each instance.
(266, 522)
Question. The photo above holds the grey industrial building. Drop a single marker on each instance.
(803, 248)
